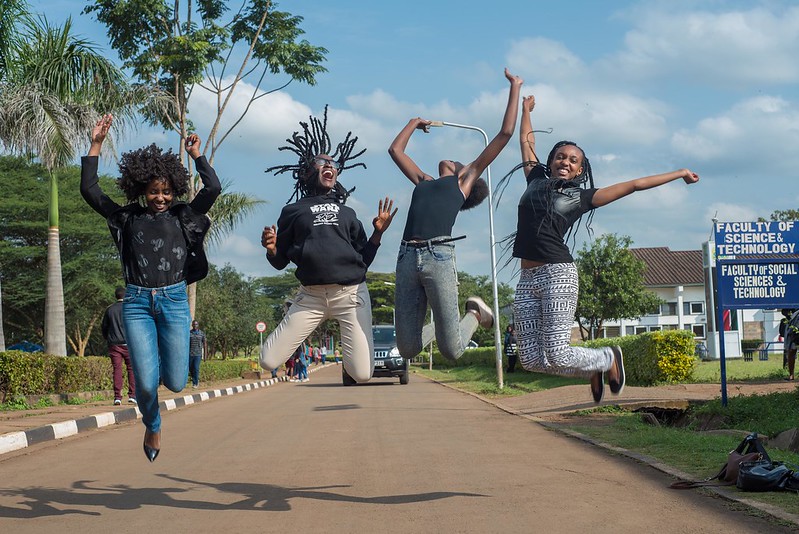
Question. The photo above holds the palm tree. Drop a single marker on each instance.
(54, 88)
(12, 12)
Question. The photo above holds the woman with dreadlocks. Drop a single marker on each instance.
(426, 269)
(546, 295)
(325, 240)
(160, 244)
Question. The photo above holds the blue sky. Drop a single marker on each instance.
(642, 87)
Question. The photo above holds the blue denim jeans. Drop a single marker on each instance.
(194, 369)
(428, 275)
(157, 324)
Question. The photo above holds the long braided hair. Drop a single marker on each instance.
(315, 140)
(584, 180)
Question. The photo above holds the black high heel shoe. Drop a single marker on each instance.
(150, 452)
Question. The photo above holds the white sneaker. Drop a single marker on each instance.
(117, 402)
(484, 315)
(132, 400)
(306, 379)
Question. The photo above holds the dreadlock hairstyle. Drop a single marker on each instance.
(138, 168)
(585, 180)
(313, 141)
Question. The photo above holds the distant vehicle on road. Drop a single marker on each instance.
(388, 362)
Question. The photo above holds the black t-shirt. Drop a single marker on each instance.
(325, 240)
(547, 209)
(434, 207)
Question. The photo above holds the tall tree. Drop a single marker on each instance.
(53, 89)
(90, 259)
(611, 284)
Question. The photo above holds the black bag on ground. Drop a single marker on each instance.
(749, 450)
(765, 475)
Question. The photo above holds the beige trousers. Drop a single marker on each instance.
(349, 305)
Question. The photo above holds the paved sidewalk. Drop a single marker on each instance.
(23, 428)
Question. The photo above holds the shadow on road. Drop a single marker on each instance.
(43, 502)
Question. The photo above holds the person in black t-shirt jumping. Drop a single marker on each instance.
(426, 270)
(546, 294)
(160, 244)
(322, 236)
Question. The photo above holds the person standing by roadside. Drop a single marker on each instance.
(511, 348)
(114, 333)
(198, 351)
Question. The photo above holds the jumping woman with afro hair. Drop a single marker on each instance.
(426, 271)
(323, 237)
(160, 244)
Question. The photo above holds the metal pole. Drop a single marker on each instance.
(497, 342)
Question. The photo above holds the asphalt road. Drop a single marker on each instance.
(319, 457)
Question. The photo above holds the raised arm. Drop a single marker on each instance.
(89, 181)
(611, 193)
(526, 134)
(385, 215)
(211, 189)
(471, 172)
(401, 159)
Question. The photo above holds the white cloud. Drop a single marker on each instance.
(742, 47)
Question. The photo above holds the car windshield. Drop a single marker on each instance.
(383, 335)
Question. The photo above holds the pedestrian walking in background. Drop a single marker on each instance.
(198, 351)
(113, 330)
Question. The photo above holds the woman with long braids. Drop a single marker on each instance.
(322, 236)
(160, 243)
(426, 269)
(546, 295)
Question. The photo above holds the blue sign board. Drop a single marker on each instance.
(757, 264)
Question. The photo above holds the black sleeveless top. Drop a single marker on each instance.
(434, 207)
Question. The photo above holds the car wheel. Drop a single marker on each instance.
(405, 377)
(346, 379)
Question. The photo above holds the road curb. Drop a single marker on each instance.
(724, 492)
(14, 441)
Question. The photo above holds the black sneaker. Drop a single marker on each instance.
(598, 386)
(617, 386)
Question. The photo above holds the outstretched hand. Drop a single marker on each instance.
(528, 103)
(193, 145)
(100, 130)
(384, 215)
(269, 239)
(689, 177)
(423, 124)
(512, 78)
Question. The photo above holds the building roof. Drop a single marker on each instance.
(666, 267)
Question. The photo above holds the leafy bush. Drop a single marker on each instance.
(477, 356)
(655, 357)
(750, 344)
(37, 373)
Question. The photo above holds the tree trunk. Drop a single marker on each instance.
(55, 335)
(79, 342)
(2, 332)
(55, 328)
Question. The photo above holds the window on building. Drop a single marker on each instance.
(670, 326)
(640, 330)
(612, 331)
(629, 331)
(693, 308)
(697, 329)
(668, 308)
(655, 328)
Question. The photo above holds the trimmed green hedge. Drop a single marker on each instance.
(649, 359)
(37, 373)
(655, 357)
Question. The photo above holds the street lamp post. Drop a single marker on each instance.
(497, 343)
